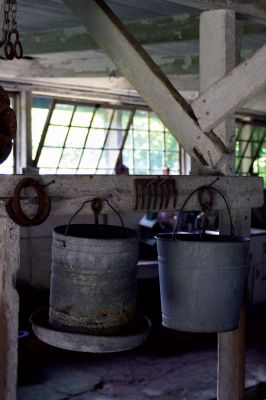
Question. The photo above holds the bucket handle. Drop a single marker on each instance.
(94, 201)
(205, 207)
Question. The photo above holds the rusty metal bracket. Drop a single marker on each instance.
(96, 206)
(156, 192)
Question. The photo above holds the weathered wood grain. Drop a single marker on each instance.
(223, 98)
(9, 264)
(69, 192)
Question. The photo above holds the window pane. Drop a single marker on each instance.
(128, 158)
(156, 172)
(120, 119)
(86, 171)
(129, 141)
(258, 133)
(156, 160)
(49, 157)
(55, 136)
(170, 142)
(90, 158)
(82, 116)
(108, 159)
(7, 167)
(102, 118)
(47, 171)
(105, 171)
(114, 139)
(66, 171)
(96, 138)
(76, 137)
(141, 160)
(38, 118)
(70, 158)
(141, 120)
(172, 161)
(141, 140)
(263, 150)
(62, 114)
(155, 123)
(156, 141)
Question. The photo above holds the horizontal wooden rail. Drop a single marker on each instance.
(69, 192)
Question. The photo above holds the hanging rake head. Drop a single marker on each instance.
(155, 193)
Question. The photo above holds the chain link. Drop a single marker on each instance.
(10, 35)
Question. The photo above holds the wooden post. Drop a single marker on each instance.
(9, 263)
(231, 345)
(217, 58)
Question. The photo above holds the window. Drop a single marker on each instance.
(251, 149)
(150, 147)
(77, 138)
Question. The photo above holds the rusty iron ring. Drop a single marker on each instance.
(14, 208)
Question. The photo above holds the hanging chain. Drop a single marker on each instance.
(5, 22)
(10, 36)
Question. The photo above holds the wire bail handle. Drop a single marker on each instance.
(96, 206)
(206, 206)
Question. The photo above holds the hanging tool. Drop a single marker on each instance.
(158, 189)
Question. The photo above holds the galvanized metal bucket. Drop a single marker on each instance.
(202, 276)
(93, 281)
(202, 280)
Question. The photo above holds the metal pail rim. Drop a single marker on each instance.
(206, 238)
(92, 231)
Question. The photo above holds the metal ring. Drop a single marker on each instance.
(14, 208)
(18, 49)
(9, 51)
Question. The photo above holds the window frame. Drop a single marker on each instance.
(96, 105)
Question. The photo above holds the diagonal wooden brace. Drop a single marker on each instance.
(231, 92)
(142, 72)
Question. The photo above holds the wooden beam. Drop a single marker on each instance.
(224, 97)
(217, 58)
(251, 8)
(9, 264)
(69, 192)
(97, 64)
(89, 64)
(148, 80)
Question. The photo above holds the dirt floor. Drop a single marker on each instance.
(169, 366)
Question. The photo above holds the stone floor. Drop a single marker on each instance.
(169, 366)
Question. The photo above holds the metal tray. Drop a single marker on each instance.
(131, 336)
